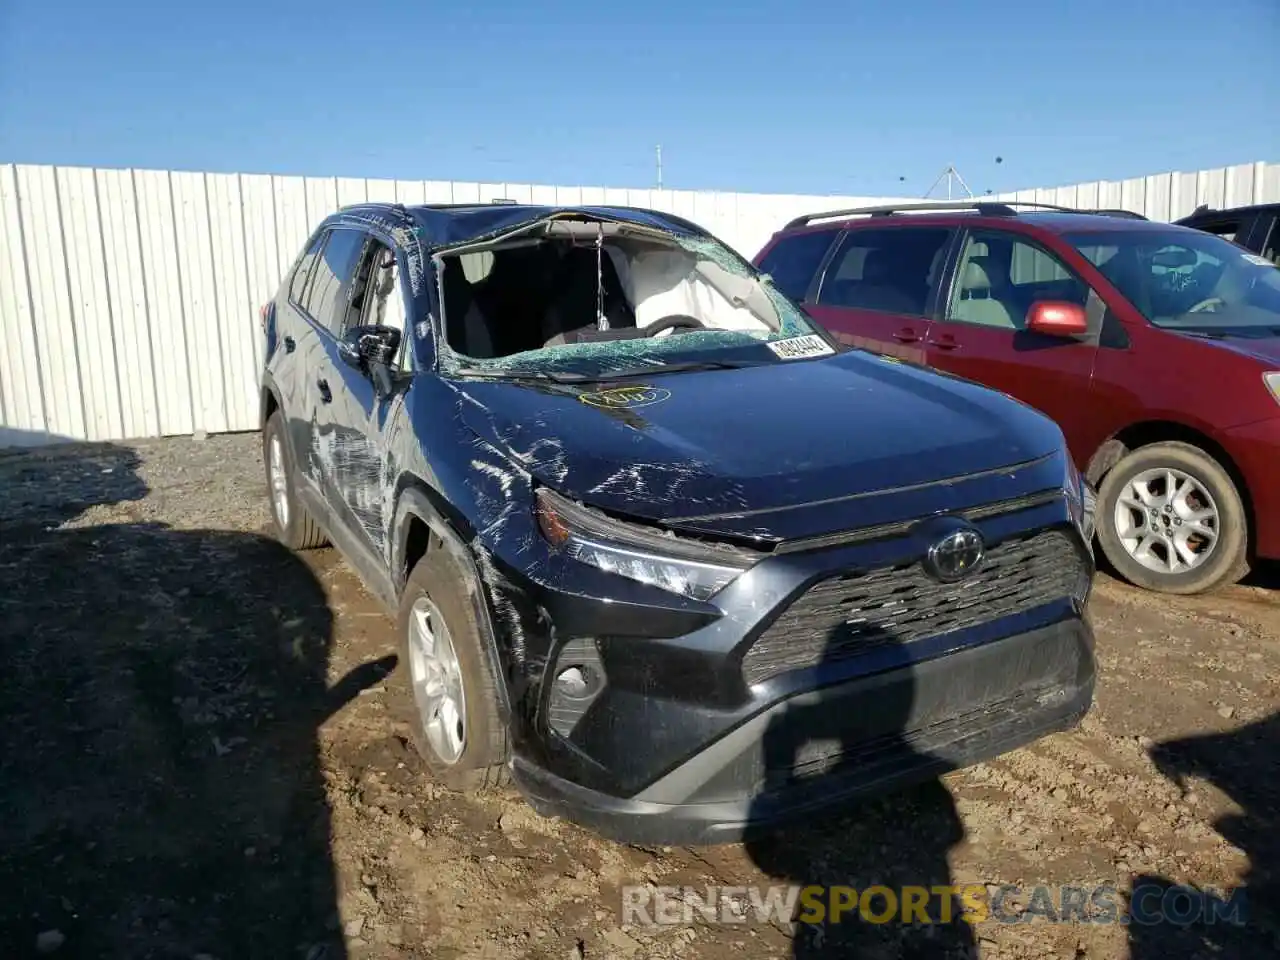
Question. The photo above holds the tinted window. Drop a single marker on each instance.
(1226, 229)
(1188, 280)
(887, 270)
(298, 284)
(793, 260)
(333, 269)
(1001, 276)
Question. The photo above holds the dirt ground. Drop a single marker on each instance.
(199, 759)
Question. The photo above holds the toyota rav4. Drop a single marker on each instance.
(658, 549)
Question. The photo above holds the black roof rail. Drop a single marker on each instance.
(1095, 211)
(985, 207)
(375, 205)
(1116, 212)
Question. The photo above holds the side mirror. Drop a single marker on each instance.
(363, 347)
(371, 349)
(1054, 318)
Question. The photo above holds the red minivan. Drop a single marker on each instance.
(1155, 347)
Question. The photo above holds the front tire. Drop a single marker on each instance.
(294, 526)
(1170, 519)
(452, 711)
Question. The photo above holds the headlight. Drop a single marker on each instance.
(1272, 379)
(681, 566)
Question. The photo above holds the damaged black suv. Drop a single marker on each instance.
(660, 551)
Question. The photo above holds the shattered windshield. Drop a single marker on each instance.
(1187, 280)
(584, 302)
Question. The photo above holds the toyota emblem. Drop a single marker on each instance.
(955, 556)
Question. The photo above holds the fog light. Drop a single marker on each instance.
(578, 679)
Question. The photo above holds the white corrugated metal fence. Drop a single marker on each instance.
(129, 298)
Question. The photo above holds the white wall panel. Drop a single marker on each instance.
(293, 226)
(90, 306)
(322, 197)
(21, 394)
(165, 311)
(381, 191)
(129, 298)
(199, 301)
(351, 191)
(263, 266)
(57, 359)
(410, 192)
(237, 315)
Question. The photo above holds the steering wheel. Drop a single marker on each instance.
(1204, 305)
(676, 321)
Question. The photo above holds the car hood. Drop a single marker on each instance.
(737, 451)
(1266, 349)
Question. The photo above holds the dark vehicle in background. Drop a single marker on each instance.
(1256, 228)
(635, 512)
(1155, 347)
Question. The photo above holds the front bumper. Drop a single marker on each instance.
(1255, 449)
(764, 703)
(820, 749)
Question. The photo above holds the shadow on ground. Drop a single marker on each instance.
(160, 790)
(900, 839)
(1173, 922)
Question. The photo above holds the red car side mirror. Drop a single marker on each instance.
(1055, 318)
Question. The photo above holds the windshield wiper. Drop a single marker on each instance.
(507, 374)
(679, 366)
(563, 376)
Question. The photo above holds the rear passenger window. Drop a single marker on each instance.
(794, 259)
(333, 269)
(892, 271)
(298, 284)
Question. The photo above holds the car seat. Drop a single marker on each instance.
(881, 287)
(982, 296)
(573, 297)
(468, 327)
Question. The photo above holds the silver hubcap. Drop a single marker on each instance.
(1167, 520)
(279, 482)
(437, 681)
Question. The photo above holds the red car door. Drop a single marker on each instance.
(878, 288)
(981, 331)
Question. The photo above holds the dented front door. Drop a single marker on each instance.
(353, 432)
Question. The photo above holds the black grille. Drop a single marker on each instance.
(845, 615)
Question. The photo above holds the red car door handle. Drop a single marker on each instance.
(945, 342)
(907, 335)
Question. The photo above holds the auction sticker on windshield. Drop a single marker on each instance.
(796, 348)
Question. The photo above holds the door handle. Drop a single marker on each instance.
(947, 342)
(907, 335)
(326, 394)
(289, 344)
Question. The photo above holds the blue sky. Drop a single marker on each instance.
(798, 96)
